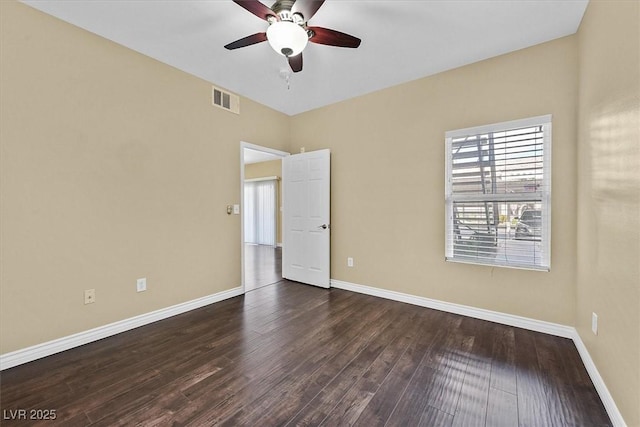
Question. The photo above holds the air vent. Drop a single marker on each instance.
(225, 100)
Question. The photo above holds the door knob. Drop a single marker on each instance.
(323, 226)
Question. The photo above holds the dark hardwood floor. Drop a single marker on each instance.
(291, 354)
(262, 265)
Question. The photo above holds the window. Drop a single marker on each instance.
(260, 211)
(498, 194)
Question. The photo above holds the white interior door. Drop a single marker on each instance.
(305, 220)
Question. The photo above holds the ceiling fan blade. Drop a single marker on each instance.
(307, 8)
(255, 7)
(247, 41)
(333, 38)
(295, 62)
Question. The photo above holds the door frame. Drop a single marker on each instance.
(247, 145)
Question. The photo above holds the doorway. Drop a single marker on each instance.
(261, 227)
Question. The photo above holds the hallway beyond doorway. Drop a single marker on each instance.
(263, 265)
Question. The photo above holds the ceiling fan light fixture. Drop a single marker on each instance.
(287, 38)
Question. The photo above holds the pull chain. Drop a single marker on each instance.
(286, 75)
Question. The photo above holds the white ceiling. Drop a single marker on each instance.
(401, 40)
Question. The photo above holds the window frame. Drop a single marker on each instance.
(543, 195)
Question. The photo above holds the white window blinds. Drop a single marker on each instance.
(498, 193)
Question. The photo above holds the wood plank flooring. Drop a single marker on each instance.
(262, 265)
(291, 354)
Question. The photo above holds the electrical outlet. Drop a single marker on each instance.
(141, 284)
(349, 262)
(89, 296)
(594, 323)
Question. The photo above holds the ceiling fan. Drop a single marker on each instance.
(288, 31)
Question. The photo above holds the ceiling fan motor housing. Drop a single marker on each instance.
(283, 6)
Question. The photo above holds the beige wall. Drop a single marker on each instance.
(114, 167)
(608, 278)
(265, 169)
(388, 179)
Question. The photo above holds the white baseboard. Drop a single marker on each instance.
(505, 319)
(18, 357)
(598, 382)
(464, 310)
